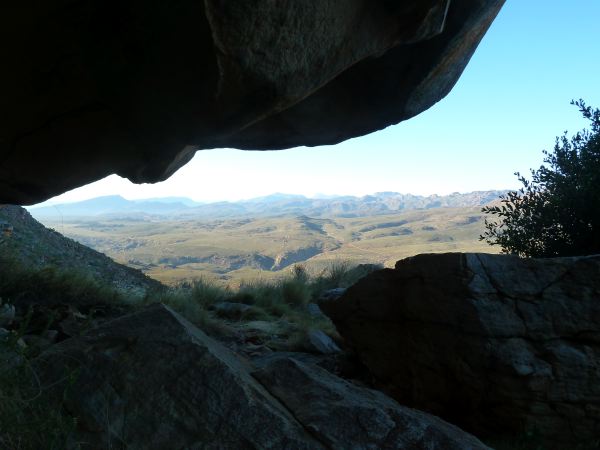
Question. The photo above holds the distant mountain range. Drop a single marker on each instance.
(277, 204)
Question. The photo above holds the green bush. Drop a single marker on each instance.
(206, 293)
(557, 212)
(295, 292)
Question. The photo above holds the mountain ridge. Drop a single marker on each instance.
(275, 204)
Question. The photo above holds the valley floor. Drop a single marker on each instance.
(238, 249)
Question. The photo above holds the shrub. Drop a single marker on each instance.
(295, 292)
(299, 273)
(557, 212)
(207, 293)
(336, 272)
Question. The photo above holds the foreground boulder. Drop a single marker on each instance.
(135, 88)
(151, 380)
(341, 415)
(493, 343)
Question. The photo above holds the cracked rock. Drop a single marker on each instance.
(493, 343)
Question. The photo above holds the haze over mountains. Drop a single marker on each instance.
(277, 204)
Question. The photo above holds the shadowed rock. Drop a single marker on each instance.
(151, 380)
(342, 415)
(493, 343)
(94, 88)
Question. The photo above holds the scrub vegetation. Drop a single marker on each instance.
(557, 211)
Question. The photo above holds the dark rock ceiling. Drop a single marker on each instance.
(91, 88)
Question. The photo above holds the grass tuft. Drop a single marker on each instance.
(50, 286)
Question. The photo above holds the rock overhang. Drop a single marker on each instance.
(95, 88)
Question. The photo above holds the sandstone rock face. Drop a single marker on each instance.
(151, 380)
(492, 343)
(135, 88)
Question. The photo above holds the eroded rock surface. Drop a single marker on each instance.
(135, 88)
(151, 380)
(493, 343)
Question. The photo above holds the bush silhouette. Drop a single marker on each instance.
(557, 212)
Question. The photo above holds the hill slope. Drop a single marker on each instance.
(24, 239)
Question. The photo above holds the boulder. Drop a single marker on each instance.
(151, 380)
(493, 343)
(341, 415)
(321, 342)
(136, 88)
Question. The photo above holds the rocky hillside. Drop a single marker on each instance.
(24, 239)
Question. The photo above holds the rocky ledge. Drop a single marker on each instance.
(493, 343)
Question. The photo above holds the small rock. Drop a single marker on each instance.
(331, 295)
(4, 333)
(314, 310)
(51, 335)
(231, 310)
(7, 315)
(322, 343)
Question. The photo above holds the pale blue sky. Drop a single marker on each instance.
(510, 103)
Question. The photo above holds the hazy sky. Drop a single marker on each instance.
(510, 103)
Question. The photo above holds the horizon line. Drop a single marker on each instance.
(317, 196)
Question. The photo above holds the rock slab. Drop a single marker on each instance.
(344, 416)
(151, 380)
(493, 343)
